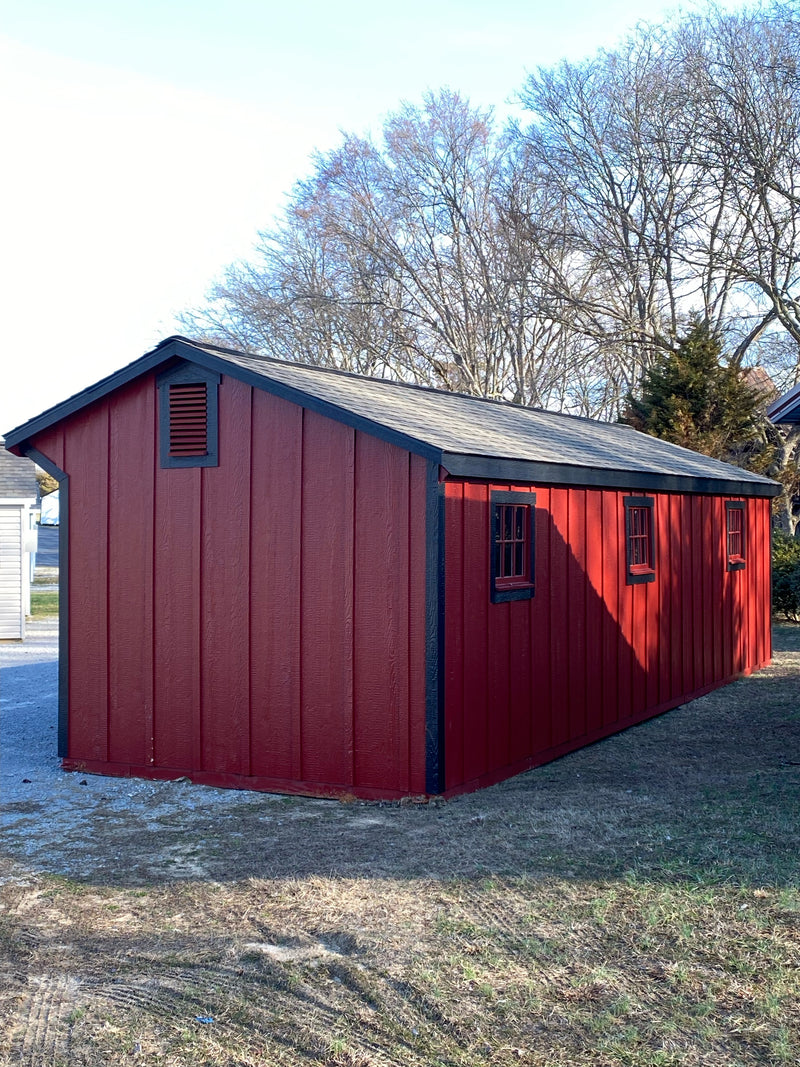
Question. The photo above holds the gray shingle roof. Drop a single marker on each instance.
(17, 476)
(467, 435)
(466, 426)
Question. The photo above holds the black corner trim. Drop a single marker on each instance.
(434, 633)
(63, 593)
(189, 372)
(504, 496)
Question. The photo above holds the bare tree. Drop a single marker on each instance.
(403, 259)
(676, 159)
(552, 263)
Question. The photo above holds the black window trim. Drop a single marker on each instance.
(736, 563)
(525, 592)
(189, 373)
(640, 575)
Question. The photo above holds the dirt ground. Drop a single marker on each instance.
(706, 794)
(736, 746)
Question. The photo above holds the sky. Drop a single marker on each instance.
(146, 142)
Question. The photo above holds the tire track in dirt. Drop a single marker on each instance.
(41, 1037)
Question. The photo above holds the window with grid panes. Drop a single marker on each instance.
(512, 545)
(639, 540)
(735, 534)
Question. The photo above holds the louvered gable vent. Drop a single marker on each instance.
(188, 419)
(188, 416)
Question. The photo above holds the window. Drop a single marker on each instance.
(187, 417)
(512, 546)
(735, 545)
(639, 539)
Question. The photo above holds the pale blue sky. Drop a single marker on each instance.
(146, 142)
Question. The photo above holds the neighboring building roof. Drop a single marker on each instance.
(467, 435)
(17, 476)
(787, 407)
(760, 382)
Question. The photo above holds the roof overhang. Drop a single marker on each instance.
(175, 348)
(538, 473)
(786, 408)
(493, 468)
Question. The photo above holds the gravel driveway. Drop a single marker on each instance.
(57, 821)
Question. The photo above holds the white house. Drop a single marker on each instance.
(19, 501)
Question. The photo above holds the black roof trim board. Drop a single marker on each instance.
(513, 470)
(515, 444)
(73, 404)
(179, 348)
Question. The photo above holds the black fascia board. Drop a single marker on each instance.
(786, 408)
(176, 348)
(538, 473)
(157, 358)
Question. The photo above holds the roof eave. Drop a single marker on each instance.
(539, 473)
(178, 348)
(16, 438)
(786, 408)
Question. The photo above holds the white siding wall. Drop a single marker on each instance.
(12, 606)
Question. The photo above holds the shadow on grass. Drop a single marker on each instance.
(707, 793)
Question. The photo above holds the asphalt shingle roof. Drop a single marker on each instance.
(468, 435)
(17, 476)
(464, 425)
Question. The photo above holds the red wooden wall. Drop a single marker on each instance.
(528, 680)
(260, 623)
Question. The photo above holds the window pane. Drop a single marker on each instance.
(519, 525)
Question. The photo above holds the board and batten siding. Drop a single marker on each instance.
(12, 593)
(527, 681)
(257, 624)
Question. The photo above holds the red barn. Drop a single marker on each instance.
(284, 577)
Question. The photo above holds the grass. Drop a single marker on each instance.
(44, 603)
(516, 970)
(636, 904)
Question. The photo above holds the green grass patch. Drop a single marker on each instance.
(44, 603)
(360, 972)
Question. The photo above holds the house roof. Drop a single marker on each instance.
(787, 407)
(17, 476)
(467, 435)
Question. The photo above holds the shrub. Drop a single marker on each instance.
(786, 575)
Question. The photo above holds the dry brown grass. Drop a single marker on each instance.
(636, 903)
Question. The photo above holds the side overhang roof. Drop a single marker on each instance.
(469, 436)
(786, 408)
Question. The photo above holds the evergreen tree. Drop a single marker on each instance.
(693, 398)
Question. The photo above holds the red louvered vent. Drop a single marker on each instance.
(188, 419)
